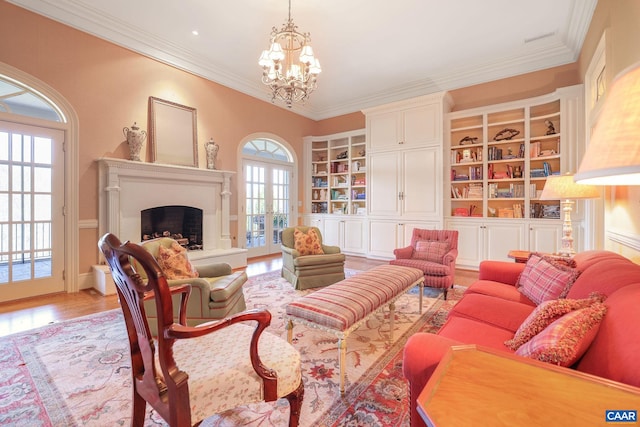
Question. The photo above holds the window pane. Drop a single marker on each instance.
(4, 207)
(4, 177)
(16, 147)
(42, 180)
(16, 207)
(42, 151)
(42, 207)
(4, 146)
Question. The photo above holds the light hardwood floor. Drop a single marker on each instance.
(33, 312)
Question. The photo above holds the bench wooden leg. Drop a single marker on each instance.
(289, 328)
(392, 317)
(342, 361)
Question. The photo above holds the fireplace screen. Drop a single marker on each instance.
(182, 223)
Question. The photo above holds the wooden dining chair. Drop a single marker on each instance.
(190, 373)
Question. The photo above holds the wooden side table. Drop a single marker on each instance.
(475, 386)
(519, 256)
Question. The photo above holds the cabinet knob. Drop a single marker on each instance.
(400, 142)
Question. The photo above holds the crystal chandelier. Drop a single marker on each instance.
(289, 67)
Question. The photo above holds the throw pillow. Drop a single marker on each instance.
(431, 250)
(307, 243)
(564, 341)
(547, 313)
(543, 280)
(174, 262)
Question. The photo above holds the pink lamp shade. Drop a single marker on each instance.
(613, 154)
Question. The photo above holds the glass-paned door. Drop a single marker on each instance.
(267, 206)
(31, 211)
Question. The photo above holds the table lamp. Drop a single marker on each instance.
(613, 154)
(563, 188)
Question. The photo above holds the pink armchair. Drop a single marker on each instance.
(434, 252)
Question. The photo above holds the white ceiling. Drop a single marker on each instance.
(372, 51)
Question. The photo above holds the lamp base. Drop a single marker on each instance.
(566, 248)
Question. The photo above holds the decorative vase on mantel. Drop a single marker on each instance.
(135, 138)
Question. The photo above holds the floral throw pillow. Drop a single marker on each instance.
(547, 313)
(431, 250)
(542, 279)
(307, 243)
(174, 262)
(564, 341)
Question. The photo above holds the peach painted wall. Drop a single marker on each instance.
(620, 21)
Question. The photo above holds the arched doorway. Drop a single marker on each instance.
(38, 219)
(267, 202)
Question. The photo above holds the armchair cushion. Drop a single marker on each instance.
(174, 262)
(566, 340)
(307, 243)
(543, 280)
(431, 250)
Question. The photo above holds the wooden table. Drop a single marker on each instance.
(519, 256)
(475, 386)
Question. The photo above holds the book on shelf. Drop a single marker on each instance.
(534, 149)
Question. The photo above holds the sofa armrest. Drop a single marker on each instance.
(328, 249)
(422, 354)
(501, 271)
(290, 251)
(214, 270)
(403, 253)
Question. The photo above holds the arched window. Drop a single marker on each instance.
(16, 98)
(267, 149)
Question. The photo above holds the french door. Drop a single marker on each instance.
(268, 205)
(31, 211)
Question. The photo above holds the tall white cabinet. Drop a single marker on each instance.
(498, 159)
(404, 158)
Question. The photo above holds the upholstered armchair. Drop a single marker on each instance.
(216, 291)
(306, 262)
(434, 252)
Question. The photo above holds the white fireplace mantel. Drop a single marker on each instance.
(128, 187)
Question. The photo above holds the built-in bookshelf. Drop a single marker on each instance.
(500, 158)
(338, 173)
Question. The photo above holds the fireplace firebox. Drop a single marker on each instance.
(181, 223)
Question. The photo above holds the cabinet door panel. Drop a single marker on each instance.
(383, 131)
(383, 238)
(545, 238)
(501, 238)
(421, 126)
(354, 236)
(422, 178)
(470, 242)
(331, 234)
(383, 188)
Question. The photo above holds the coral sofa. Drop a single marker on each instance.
(492, 309)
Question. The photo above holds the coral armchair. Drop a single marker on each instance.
(190, 373)
(307, 262)
(434, 252)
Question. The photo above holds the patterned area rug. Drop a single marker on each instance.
(77, 372)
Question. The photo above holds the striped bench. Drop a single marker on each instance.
(342, 307)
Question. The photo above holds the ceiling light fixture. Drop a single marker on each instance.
(289, 67)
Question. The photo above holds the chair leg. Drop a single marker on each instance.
(445, 294)
(295, 404)
(139, 410)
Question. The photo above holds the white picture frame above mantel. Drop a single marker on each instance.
(172, 133)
